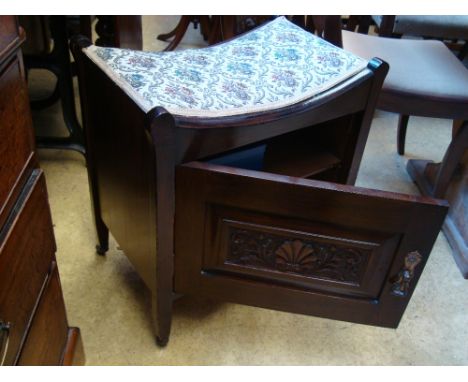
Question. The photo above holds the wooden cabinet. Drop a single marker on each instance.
(258, 208)
(33, 322)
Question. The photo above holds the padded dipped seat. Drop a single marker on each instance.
(424, 79)
(274, 66)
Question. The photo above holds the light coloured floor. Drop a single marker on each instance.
(108, 301)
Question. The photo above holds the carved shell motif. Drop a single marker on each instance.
(294, 256)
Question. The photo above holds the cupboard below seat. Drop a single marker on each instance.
(229, 172)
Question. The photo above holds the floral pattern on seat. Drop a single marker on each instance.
(273, 66)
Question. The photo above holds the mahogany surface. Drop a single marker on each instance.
(9, 34)
(148, 194)
(48, 334)
(28, 249)
(33, 323)
(15, 128)
(298, 245)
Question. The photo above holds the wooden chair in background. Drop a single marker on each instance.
(213, 28)
(453, 30)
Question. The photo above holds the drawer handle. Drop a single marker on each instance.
(5, 340)
(401, 282)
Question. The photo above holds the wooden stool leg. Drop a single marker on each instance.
(401, 134)
(451, 159)
(103, 236)
(162, 127)
(162, 318)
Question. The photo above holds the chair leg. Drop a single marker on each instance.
(364, 24)
(452, 157)
(463, 52)
(179, 32)
(401, 134)
(58, 62)
(166, 36)
(205, 26)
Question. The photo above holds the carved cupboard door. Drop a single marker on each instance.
(300, 245)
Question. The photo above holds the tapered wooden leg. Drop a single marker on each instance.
(161, 307)
(162, 127)
(401, 134)
(103, 236)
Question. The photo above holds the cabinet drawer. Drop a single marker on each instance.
(26, 251)
(15, 133)
(299, 245)
(9, 33)
(48, 334)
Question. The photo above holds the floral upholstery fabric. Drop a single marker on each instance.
(273, 66)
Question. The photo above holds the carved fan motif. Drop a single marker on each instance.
(294, 255)
(298, 256)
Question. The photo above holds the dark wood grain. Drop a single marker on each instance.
(47, 337)
(31, 301)
(177, 227)
(9, 35)
(25, 254)
(17, 145)
(285, 222)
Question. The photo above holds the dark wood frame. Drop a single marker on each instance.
(33, 324)
(58, 62)
(133, 156)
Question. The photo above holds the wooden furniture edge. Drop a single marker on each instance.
(73, 354)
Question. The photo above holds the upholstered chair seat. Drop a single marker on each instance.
(438, 26)
(425, 78)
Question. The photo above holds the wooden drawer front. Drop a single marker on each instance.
(9, 33)
(47, 337)
(15, 131)
(26, 251)
(300, 245)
